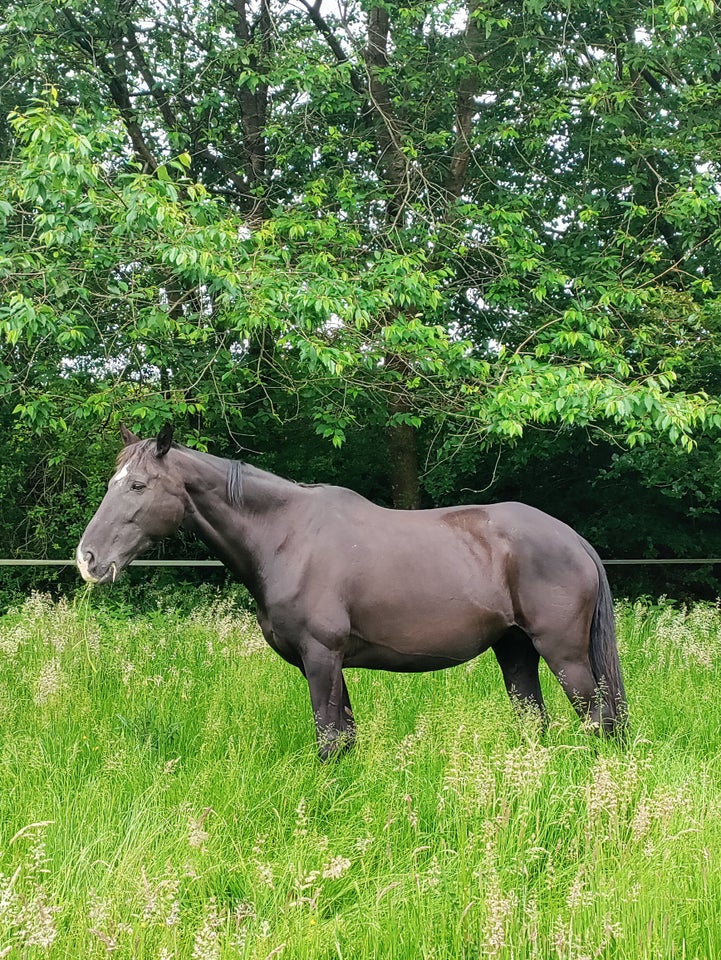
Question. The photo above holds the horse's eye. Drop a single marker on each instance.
(137, 485)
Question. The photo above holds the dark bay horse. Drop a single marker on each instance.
(340, 582)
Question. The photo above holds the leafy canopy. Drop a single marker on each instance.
(473, 218)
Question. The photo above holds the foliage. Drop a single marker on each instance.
(160, 796)
(449, 225)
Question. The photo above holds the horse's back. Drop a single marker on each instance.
(450, 543)
(416, 578)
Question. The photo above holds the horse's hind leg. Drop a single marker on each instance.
(570, 664)
(518, 660)
(347, 718)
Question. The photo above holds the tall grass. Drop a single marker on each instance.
(160, 797)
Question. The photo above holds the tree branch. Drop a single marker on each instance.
(465, 107)
(333, 42)
(254, 103)
(156, 88)
(376, 55)
(118, 87)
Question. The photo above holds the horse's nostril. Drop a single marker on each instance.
(84, 559)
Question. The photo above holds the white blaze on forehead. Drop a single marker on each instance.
(120, 475)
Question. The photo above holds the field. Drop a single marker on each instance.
(160, 797)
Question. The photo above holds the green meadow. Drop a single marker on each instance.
(160, 797)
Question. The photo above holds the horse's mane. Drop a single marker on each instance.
(234, 483)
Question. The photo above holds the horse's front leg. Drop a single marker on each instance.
(334, 725)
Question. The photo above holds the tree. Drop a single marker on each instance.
(461, 219)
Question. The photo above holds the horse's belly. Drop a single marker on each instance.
(421, 639)
(377, 657)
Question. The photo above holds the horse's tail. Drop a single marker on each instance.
(603, 651)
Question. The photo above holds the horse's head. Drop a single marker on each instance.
(145, 502)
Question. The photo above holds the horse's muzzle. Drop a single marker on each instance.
(83, 560)
(87, 566)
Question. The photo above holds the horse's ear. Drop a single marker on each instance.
(165, 439)
(128, 436)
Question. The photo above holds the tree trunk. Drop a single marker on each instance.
(401, 438)
(403, 467)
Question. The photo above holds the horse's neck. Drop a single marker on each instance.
(241, 534)
(261, 493)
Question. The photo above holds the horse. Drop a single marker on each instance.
(339, 581)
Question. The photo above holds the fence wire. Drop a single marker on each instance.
(217, 563)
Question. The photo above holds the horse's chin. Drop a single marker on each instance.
(111, 575)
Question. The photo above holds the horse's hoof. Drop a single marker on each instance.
(329, 749)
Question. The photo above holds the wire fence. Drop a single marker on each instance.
(217, 563)
(133, 563)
